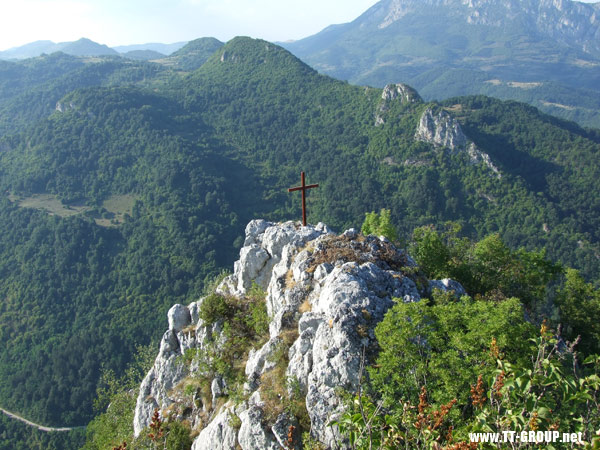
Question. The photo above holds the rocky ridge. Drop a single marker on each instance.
(563, 20)
(436, 126)
(324, 295)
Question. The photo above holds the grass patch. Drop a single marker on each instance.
(245, 326)
(49, 203)
(289, 279)
(281, 393)
(305, 307)
(115, 209)
(342, 248)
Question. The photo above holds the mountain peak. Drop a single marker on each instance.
(80, 47)
(447, 48)
(245, 53)
(246, 49)
(86, 47)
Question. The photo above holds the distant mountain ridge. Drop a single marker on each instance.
(85, 47)
(165, 49)
(193, 54)
(457, 47)
(81, 47)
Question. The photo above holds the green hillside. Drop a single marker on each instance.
(124, 202)
(31, 89)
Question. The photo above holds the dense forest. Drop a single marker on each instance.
(136, 190)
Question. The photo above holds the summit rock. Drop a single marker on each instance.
(325, 293)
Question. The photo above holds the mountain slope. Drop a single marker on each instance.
(192, 55)
(129, 197)
(31, 89)
(143, 55)
(437, 45)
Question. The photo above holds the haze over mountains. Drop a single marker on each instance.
(543, 52)
(87, 47)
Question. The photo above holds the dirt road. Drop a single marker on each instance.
(36, 425)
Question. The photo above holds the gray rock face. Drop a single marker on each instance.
(447, 285)
(263, 249)
(395, 92)
(443, 130)
(571, 22)
(156, 390)
(328, 292)
(477, 156)
(253, 435)
(402, 91)
(179, 317)
(218, 435)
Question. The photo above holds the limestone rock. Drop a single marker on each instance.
(443, 130)
(252, 434)
(324, 295)
(395, 92)
(156, 386)
(218, 435)
(402, 91)
(284, 428)
(179, 317)
(263, 249)
(447, 285)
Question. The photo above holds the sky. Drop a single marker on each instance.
(126, 22)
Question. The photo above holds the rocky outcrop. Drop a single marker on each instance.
(62, 107)
(402, 91)
(324, 296)
(442, 130)
(478, 156)
(399, 92)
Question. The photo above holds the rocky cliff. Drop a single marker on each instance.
(565, 21)
(323, 294)
(442, 130)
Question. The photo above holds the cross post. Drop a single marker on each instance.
(303, 188)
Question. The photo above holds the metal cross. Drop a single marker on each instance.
(303, 188)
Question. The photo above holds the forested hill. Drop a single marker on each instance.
(125, 199)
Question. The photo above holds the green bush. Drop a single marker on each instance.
(542, 391)
(380, 225)
(213, 308)
(488, 267)
(444, 346)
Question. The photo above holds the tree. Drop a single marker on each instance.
(380, 225)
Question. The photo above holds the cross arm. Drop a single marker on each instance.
(299, 188)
